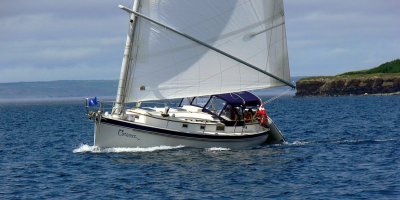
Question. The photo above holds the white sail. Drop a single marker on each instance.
(165, 65)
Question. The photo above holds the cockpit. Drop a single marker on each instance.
(231, 108)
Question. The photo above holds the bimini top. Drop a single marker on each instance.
(240, 98)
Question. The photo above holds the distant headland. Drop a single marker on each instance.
(57, 90)
(382, 80)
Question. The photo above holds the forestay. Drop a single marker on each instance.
(165, 65)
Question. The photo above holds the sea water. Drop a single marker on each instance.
(337, 148)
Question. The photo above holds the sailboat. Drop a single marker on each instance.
(206, 55)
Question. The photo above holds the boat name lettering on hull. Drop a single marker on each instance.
(129, 135)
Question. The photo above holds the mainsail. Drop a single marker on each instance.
(165, 65)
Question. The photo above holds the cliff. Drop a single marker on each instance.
(384, 79)
(349, 85)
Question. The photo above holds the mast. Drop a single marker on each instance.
(123, 78)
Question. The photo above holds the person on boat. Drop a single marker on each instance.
(248, 116)
(233, 114)
(230, 113)
(238, 114)
(262, 115)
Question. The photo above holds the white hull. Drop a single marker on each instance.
(109, 135)
(122, 133)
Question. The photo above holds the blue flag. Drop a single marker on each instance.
(92, 101)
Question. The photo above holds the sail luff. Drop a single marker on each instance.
(211, 47)
(125, 66)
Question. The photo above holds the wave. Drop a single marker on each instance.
(84, 148)
(349, 141)
(363, 141)
(218, 149)
(296, 143)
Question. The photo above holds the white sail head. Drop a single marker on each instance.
(165, 65)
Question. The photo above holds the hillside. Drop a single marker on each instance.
(383, 79)
(388, 67)
(57, 89)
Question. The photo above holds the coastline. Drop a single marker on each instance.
(345, 85)
(50, 100)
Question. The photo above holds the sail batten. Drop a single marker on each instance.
(169, 66)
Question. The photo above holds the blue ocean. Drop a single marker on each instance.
(337, 148)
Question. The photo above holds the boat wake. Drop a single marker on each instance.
(363, 141)
(295, 143)
(302, 143)
(218, 149)
(84, 148)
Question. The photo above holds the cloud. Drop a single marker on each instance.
(58, 50)
(50, 40)
(73, 72)
(58, 37)
(331, 37)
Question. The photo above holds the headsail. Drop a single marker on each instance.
(166, 65)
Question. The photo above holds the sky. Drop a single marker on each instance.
(46, 40)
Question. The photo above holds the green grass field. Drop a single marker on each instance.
(385, 70)
(388, 67)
